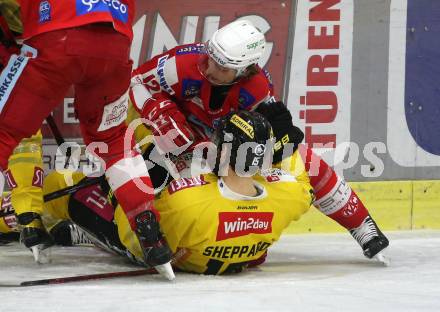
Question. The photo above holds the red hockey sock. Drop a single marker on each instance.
(334, 197)
(134, 201)
(132, 186)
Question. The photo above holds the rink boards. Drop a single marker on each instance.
(395, 205)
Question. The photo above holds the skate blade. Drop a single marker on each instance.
(166, 270)
(41, 256)
(382, 259)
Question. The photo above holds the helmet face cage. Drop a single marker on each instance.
(247, 137)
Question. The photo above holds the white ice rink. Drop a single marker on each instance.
(303, 273)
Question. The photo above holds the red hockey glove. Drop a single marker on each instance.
(169, 126)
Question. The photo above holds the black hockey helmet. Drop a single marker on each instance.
(247, 136)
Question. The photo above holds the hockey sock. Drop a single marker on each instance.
(334, 197)
(132, 186)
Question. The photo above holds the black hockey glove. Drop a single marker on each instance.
(283, 129)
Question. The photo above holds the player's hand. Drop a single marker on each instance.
(282, 125)
(172, 133)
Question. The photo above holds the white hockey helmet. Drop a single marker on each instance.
(237, 45)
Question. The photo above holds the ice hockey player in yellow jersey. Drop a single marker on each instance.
(214, 223)
(221, 223)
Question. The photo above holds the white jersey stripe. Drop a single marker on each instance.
(9, 77)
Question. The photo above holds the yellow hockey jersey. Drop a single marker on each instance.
(10, 10)
(215, 230)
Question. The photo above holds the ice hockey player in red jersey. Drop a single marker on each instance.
(213, 224)
(84, 44)
(184, 92)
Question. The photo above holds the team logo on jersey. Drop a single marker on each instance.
(114, 113)
(351, 207)
(245, 99)
(10, 179)
(184, 183)
(273, 178)
(191, 87)
(235, 224)
(118, 10)
(38, 178)
(45, 12)
(275, 175)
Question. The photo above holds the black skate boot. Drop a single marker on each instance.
(156, 251)
(33, 235)
(67, 233)
(6, 238)
(370, 238)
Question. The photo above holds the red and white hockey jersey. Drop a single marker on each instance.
(175, 75)
(48, 15)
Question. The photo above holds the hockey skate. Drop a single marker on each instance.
(156, 251)
(34, 236)
(372, 240)
(67, 233)
(6, 238)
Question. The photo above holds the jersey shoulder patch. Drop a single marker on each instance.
(253, 91)
(196, 48)
(277, 175)
(185, 183)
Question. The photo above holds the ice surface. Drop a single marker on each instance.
(303, 273)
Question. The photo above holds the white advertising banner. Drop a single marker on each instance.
(319, 96)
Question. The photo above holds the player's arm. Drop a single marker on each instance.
(157, 107)
(166, 121)
(285, 133)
